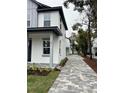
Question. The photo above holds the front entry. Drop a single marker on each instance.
(29, 49)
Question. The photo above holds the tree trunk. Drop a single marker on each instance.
(90, 45)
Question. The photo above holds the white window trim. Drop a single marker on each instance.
(49, 19)
(45, 55)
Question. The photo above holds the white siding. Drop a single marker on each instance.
(37, 48)
(37, 20)
(55, 21)
(63, 41)
(56, 50)
(54, 18)
(32, 13)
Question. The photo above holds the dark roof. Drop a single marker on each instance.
(40, 5)
(54, 29)
(55, 9)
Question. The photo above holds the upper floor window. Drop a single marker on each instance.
(46, 20)
(28, 23)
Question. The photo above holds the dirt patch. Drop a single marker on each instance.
(92, 63)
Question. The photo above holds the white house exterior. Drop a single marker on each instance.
(46, 32)
(94, 47)
(68, 47)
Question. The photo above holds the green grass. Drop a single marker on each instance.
(41, 84)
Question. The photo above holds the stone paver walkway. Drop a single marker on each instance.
(75, 77)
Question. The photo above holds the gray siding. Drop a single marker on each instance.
(32, 13)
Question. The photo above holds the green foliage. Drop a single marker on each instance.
(47, 69)
(72, 39)
(82, 40)
(76, 26)
(63, 61)
(32, 66)
(89, 7)
(94, 35)
(33, 69)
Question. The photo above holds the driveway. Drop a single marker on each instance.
(75, 77)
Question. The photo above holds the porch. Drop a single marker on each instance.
(43, 46)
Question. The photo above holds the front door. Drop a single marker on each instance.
(29, 49)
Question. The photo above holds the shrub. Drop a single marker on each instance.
(63, 61)
(35, 70)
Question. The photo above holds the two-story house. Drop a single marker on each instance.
(46, 33)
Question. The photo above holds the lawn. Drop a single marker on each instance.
(41, 84)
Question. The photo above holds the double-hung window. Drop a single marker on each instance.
(46, 19)
(46, 46)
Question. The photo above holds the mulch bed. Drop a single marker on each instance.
(92, 63)
(38, 72)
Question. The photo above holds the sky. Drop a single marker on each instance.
(71, 16)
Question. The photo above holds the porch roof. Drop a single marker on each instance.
(54, 29)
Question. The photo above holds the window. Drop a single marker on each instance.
(28, 23)
(60, 23)
(46, 20)
(60, 47)
(46, 46)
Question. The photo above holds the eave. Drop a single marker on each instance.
(53, 29)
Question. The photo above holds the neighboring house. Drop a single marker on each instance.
(94, 47)
(73, 43)
(68, 47)
(46, 34)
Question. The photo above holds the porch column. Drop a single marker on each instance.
(51, 50)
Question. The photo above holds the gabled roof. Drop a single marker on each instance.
(59, 8)
(40, 5)
(45, 8)
(54, 29)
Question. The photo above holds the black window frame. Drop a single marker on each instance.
(46, 23)
(46, 46)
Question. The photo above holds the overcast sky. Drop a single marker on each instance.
(71, 16)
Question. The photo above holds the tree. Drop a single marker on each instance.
(76, 26)
(82, 40)
(89, 8)
(82, 6)
(72, 41)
